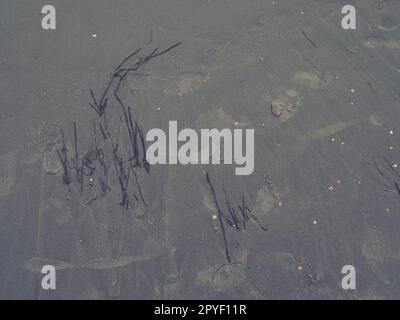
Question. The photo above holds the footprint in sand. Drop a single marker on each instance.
(379, 256)
(274, 266)
(265, 202)
(377, 250)
(313, 80)
(373, 42)
(186, 83)
(388, 23)
(224, 277)
(35, 264)
(284, 106)
(51, 162)
(219, 118)
(328, 130)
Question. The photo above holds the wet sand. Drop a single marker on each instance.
(324, 103)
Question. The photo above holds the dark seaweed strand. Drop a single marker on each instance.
(83, 166)
(121, 79)
(391, 167)
(145, 163)
(78, 169)
(127, 58)
(121, 74)
(126, 185)
(143, 60)
(75, 144)
(65, 164)
(63, 161)
(94, 105)
(140, 190)
(82, 175)
(397, 187)
(102, 131)
(308, 38)
(138, 63)
(168, 49)
(62, 154)
(128, 124)
(134, 130)
(228, 206)
(242, 210)
(219, 211)
(233, 214)
(94, 132)
(103, 180)
(121, 181)
(232, 211)
(123, 178)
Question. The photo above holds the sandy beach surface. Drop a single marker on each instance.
(324, 103)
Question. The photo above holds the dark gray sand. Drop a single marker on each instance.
(325, 106)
